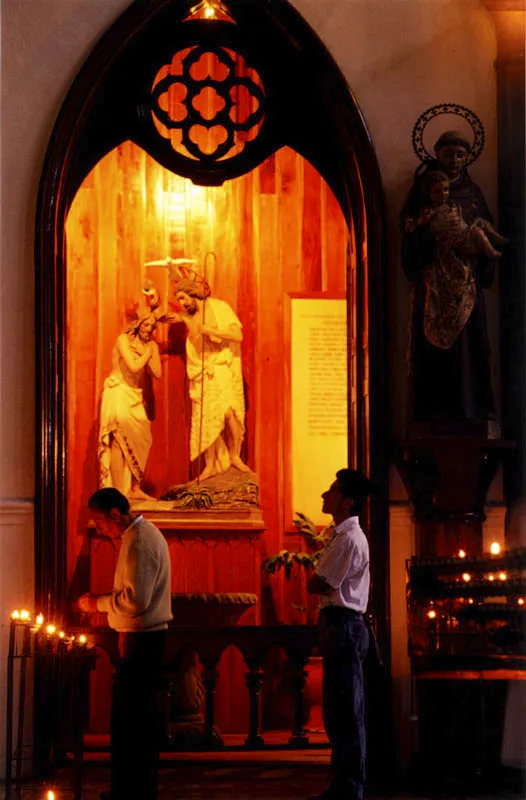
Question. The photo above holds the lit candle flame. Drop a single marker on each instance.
(40, 619)
(520, 601)
(62, 635)
(50, 795)
(494, 548)
(462, 554)
(502, 576)
(491, 577)
(83, 638)
(432, 614)
(15, 614)
(25, 615)
(51, 629)
(466, 577)
(471, 601)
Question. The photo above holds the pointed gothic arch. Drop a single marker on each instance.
(305, 104)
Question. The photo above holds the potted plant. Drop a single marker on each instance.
(286, 559)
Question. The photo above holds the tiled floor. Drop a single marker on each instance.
(206, 781)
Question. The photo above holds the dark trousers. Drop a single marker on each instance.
(134, 719)
(344, 642)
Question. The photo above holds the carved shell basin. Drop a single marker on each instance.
(210, 609)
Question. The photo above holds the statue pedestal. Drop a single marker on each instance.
(447, 478)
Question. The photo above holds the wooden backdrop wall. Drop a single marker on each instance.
(274, 231)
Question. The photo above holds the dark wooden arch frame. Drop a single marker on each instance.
(319, 119)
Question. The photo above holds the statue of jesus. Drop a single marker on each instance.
(213, 364)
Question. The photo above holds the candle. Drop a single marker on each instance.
(462, 554)
(466, 577)
(502, 576)
(494, 548)
(83, 639)
(15, 614)
(25, 616)
(520, 601)
(432, 614)
(40, 619)
(51, 629)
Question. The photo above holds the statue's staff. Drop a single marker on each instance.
(209, 253)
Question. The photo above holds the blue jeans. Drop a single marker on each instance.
(343, 643)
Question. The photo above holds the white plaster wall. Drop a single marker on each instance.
(398, 56)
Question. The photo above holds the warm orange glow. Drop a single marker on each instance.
(62, 635)
(520, 601)
(51, 629)
(210, 10)
(494, 548)
(40, 619)
(25, 615)
(471, 601)
(462, 554)
(502, 576)
(83, 638)
(50, 795)
(432, 614)
(466, 577)
(491, 577)
(15, 614)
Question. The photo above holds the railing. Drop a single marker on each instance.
(208, 645)
(58, 667)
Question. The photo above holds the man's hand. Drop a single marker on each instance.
(87, 602)
(318, 585)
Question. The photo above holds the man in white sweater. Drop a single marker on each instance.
(139, 609)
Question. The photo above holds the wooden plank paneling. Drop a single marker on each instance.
(275, 232)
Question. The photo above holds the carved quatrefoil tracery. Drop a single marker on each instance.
(208, 102)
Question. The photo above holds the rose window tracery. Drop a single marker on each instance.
(208, 102)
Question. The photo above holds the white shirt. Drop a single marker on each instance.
(141, 598)
(344, 565)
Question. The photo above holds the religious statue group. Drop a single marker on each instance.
(213, 364)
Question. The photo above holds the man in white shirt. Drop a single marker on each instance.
(342, 580)
(139, 609)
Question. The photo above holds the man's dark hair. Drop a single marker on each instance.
(106, 499)
(354, 485)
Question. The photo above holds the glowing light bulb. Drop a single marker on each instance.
(502, 576)
(494, 548)
(15, 614)
(40, 619)
(520, 601)
(462, 554)
(432, 614)
(51, 629)
(466, 577)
